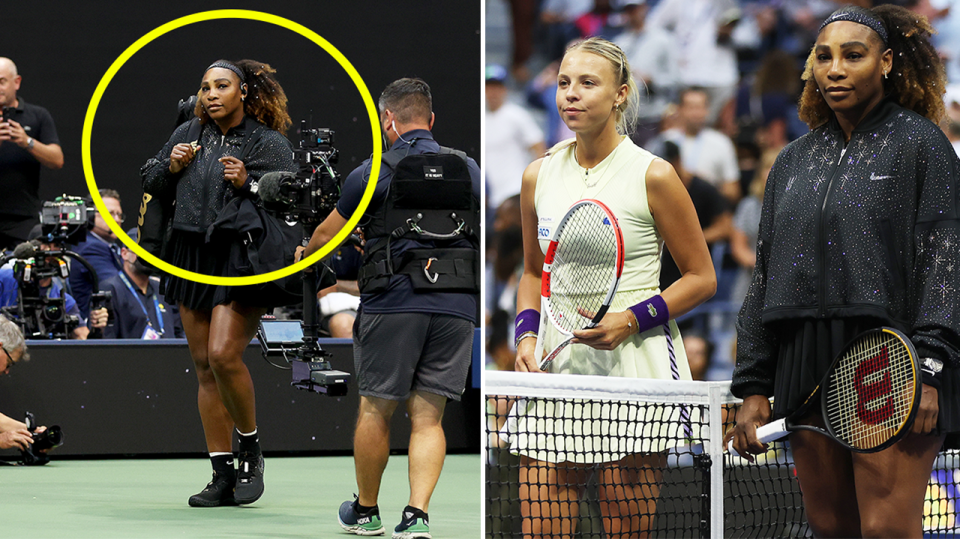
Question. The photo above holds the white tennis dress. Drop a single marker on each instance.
(594, 432)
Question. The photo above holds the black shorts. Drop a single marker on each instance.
(397, 353)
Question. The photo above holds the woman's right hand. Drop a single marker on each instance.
(754, 412)
(180, 156)
(525, 356)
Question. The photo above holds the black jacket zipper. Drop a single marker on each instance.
(211, 164)
(822, 243)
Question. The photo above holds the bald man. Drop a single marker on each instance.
(28, 140)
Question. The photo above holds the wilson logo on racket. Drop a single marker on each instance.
(868, 397)
(868, 392)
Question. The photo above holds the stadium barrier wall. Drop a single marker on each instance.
(131, 398)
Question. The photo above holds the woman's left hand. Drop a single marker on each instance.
(926, 420)
(234, 171)
(614, 328)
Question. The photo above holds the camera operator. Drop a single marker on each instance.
(13, 349)
(28, 140)
(100, 250)
(138, 312)
(49, 287)
(412, 346)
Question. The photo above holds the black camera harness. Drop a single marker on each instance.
(430, 199)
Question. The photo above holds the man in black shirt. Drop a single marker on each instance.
(713, 212)
(28, 139)
(409, 345)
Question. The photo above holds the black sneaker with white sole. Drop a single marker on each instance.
(218, 492)
(249, 477)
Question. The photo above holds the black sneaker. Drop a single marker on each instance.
(249, 478)
(219, 491)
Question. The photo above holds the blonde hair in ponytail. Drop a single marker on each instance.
(627, 112)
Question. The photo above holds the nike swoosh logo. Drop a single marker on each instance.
(874, 177)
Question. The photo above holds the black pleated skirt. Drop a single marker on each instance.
(808, 347)
(190, 251)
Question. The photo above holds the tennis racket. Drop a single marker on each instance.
(581, 272)
(869, 396)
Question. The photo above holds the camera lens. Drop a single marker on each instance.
(48, 439)
(53, 313)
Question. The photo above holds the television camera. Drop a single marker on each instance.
(308, 197)
(40, 316)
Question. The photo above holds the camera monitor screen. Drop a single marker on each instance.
(275, 335)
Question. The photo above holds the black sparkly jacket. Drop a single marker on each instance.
(872, 229)
(201, 190)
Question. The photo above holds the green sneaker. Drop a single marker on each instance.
(415, 524)
(358, 523)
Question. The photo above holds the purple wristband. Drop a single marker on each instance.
(651, 313)
(527, 320)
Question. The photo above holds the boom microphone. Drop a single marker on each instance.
(271, 184)
(25, 250)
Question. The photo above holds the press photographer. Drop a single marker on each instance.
(100, 249)
(16, 434)
(31, 290)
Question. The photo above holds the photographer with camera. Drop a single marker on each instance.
(100, 249)
(241, 113)
(31, 295)
(28, 140)
(414, 334)
(13, 349)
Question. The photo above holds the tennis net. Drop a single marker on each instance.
(599, 457)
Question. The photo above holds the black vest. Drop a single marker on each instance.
(430, 198)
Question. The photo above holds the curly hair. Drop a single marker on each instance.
(918, 82)
(265, 99)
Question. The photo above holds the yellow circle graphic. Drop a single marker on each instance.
(231, 14)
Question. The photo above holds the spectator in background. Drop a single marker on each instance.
(100, 250)
(28, 140)
(713, 212)
(746, 226)
(513, 138)
(138, 311)
(652, 55)
(765, 105)
(951, 122)
(339, 303)
(523, 15)
(699, 354)
(542, 94)
(505, 267)
(707, 59)
(559, 20)
(707, 153)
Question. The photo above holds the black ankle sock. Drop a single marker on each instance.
(417, 513)
(223, 464)
(362, 509)
(251, 443)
